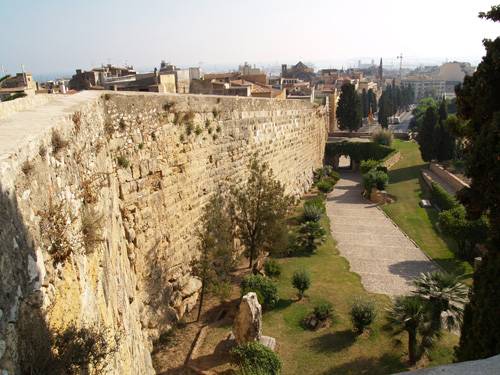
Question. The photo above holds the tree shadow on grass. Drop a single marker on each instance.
(386, 364)
(283, 303)
(405, 174)
(333, 341)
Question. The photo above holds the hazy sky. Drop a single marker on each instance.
(61, 35)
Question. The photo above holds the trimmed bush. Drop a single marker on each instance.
(382, 137)
(301, 281)
(266, 290)
(253, 358)
(441, 198)
(272, 268)
(357, 151)
(362, 314)
(367, 165)
(375, 178)
(312, 212)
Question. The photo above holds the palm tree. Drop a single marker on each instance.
(446, 294)
(409, 314)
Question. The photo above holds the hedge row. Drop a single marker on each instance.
(441, 198)
(358, 151)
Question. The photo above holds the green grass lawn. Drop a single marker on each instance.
(407, 185)
(336, 349)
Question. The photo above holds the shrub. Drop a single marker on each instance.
(255, 358)
(318, 201)
(326, 171)
(189, 128)
(323, 310)
(325, 185)
(122, 161)
(362, 314)
(311, 234)
(382, 137)
(27, 167)
(68, 351)
(301, 281)
(198, 130)
(266, 290)
(319, 316)
(168, 106)
(375, 178)
(272, 268)
(441, 198)
(467, 233)
(367, 165)
(58, 142)
(312, 212)
(382, 168)
(91, 229)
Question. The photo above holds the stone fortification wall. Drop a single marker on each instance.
(135, 170)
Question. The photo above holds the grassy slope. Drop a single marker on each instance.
(335, 350)
(406, 184)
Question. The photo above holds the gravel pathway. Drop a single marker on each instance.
(376, 249)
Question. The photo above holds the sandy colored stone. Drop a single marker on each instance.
(247, 324)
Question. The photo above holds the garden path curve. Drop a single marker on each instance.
(385, 258)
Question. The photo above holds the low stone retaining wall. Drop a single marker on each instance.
(391, 160)
(20, 104)
(448, 177)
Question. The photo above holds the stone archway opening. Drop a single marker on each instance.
(345, 162)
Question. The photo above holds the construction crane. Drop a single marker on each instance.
(400, 58)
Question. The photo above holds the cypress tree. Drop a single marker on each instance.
(364, 103)
(426, 134)
(478, 103)
(349, 109)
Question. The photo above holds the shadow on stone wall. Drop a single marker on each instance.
(23, 331)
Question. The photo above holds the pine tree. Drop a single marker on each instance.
(349, 111)
(478, 103)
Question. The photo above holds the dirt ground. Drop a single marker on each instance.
(212, 354)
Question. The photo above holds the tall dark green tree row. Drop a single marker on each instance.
(393, 99)
(479, 109)
(435, 139)
(349, 109)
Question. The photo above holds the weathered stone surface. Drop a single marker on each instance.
(136, 281)
(247, 325)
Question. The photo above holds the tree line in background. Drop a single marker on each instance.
(436, 138)
(353, 107)
(394, 99)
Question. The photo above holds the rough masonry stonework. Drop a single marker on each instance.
(139, 168)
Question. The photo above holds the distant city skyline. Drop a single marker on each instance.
(55, 37)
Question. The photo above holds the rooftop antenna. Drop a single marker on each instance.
(400, 58)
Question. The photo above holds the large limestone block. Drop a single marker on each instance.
(247, 325)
